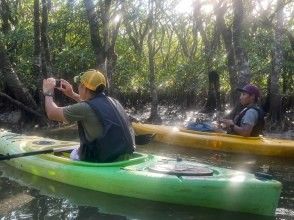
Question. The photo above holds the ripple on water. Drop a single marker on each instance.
(285, 212)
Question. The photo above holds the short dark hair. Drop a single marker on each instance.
(98, 90)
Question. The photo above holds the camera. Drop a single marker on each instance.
(58, 83)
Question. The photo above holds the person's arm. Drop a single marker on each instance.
(67, 90)
(52, 110)
(243, 130)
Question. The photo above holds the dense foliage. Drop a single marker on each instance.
(168, 46)
(71, 48)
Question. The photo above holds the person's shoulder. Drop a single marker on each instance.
(251, 114)
(256, 108)
(78, 106)
(252, 110)
(77, 112)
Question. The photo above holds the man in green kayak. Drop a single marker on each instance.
(250, 121)
(104, 128)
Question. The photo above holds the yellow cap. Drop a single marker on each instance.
(91, 79)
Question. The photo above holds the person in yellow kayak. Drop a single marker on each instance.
(250, 121)
(104, 128)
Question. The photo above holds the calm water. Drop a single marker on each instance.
(24, 196)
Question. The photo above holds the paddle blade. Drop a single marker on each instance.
(144, 138)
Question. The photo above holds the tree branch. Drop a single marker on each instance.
(22, 106)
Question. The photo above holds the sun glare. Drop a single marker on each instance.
(184, 6)
(207, 8)
(262, 5)
(117, 19)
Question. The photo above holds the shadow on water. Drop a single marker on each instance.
(59, 201)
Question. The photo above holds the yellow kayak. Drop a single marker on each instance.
(218, 141)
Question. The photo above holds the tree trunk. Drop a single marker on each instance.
(226, 34)
(241, 59)
(22, 106)
(274, 87)
(46, 65)
(111, 63)
(105, 17)
(5, 14)
(213, 100)
(37, 62)
(98, 47)
(13, 83)
(287, 75)
(111, 54)
(154, 116)
(237, 61)
(152, 50)
(291, 38)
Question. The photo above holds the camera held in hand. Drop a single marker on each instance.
(58, 83)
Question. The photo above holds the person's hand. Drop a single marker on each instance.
(66, 88)
(227, 122)
(48, 85)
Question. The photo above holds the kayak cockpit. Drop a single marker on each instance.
(131, 159)
(136, 162)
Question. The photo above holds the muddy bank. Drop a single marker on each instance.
(170, 115)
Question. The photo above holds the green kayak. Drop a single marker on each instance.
(148, 177)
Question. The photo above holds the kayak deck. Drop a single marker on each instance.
(149, 177)
(218, 141)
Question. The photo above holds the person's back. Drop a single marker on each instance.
(104, 129)
(117, 137)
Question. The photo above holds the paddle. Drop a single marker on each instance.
(26, 154)
(142, 139)
(139, 139)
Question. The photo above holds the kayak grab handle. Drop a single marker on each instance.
(263, 176)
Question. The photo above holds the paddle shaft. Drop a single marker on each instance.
(32, 153)
(140, 139)
(143, 139)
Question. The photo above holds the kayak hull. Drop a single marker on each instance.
(224, 189)
(218, 141)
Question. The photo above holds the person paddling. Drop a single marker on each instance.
(250, 121)
(104, 128)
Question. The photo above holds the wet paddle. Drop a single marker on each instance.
(26, 154)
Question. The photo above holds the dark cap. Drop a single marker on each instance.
(251, 90)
